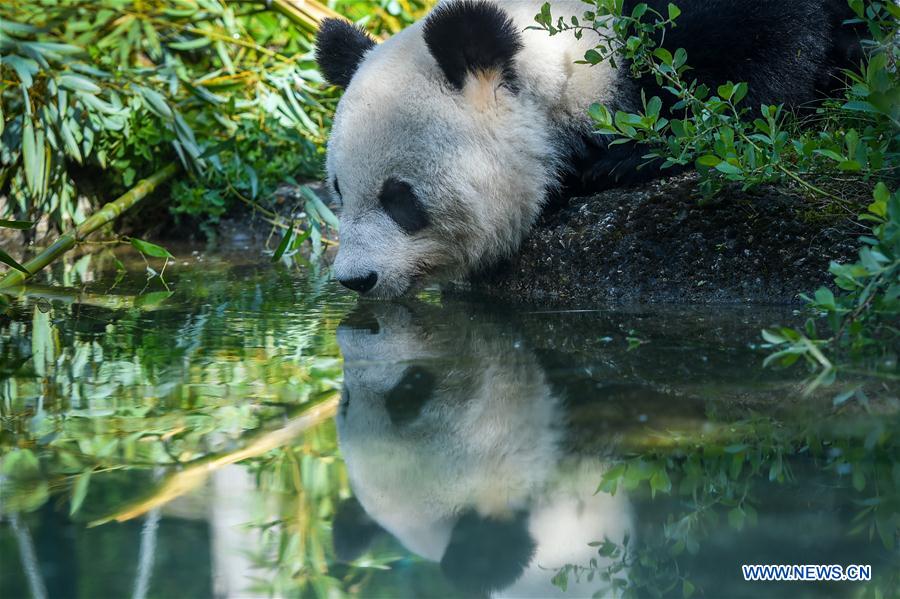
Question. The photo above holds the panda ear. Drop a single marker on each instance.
(340, 47)
(472, 37)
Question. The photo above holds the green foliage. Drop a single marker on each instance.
(383, 16)
(97, 95)
(856, 137)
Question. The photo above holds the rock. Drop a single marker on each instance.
(656, 243)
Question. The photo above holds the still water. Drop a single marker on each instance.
(254, 431)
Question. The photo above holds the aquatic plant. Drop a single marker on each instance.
(856, 136)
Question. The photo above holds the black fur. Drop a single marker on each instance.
(399, 201)
(340, 48)
(468, 36)
(404, 402)
(788, 51)
(486, 554)
(352, 530)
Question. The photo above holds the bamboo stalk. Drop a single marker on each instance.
(305, 13)
(107, 214)
(191, 477)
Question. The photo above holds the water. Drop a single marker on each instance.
(210, 441)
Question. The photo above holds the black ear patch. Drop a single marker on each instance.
(340, 48)
(468, 36)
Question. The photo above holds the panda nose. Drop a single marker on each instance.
(360, 285)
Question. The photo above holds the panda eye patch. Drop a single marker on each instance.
(400, 202)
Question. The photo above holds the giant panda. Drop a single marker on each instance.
(451, 136)
(457, 445)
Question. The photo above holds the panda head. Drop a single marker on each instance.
(432, 153)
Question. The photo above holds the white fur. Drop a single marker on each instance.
(481, 161)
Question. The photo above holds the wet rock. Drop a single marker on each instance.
(656, 243)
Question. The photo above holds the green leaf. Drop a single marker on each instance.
(773, 337)
(25, 68)
(593, 57)
(664, 55)
(728, 168)
(21, 225)
(321, 209)
(709, 160)
(285, 242)
(72, 148)
(736, 518)
(194, 44)
(687, 587)
(9, 261)
(674, 12)
(150, 249)
(79, 491)
(79, 84)
(156, 102)
(825, 298)
(30, 156)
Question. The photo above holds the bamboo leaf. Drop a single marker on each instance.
(29, 155)
(79, 84)
(72, 148)
(285, 242)
(25, 68)
(323, 211)
(21, 225)
(8, 260)
(194, 44)
(156, 102)
(150, 249)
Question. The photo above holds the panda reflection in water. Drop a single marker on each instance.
(456, 445)
(451, 135)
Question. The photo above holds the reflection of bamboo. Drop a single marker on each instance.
(146, 555)
(68, 295)
(29, 558)
(107, 214)
(192, 477)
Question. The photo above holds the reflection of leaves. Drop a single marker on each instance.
(79, 491)
(23, 490)
(23, 497)
(154, 298)
(21, 464)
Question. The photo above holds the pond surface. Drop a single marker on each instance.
(255, 431)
